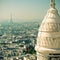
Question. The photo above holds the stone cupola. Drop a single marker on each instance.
(48, 40)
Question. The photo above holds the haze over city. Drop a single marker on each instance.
(24, 9)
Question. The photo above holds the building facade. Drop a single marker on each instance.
(48, 40)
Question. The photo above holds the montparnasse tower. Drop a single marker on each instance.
(48, 40)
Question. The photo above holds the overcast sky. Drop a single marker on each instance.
(25, 9)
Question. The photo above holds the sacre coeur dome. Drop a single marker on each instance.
(49, 31)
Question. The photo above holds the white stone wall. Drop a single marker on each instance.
(42, 56)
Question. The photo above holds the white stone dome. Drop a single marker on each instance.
(52, 16)
(48, 40)
(49, 31)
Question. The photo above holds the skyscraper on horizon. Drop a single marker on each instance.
(48, 40)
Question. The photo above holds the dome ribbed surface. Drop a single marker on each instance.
(49, 31)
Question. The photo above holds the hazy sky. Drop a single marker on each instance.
(25, 9)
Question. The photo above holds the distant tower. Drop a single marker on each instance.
(48, 40)
(11, 21)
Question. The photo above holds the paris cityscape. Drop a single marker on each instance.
(29, 30)
(17, 40)
(19, 23)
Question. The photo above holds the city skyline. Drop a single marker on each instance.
(25, 9)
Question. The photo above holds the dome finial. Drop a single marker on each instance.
(52, 3)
